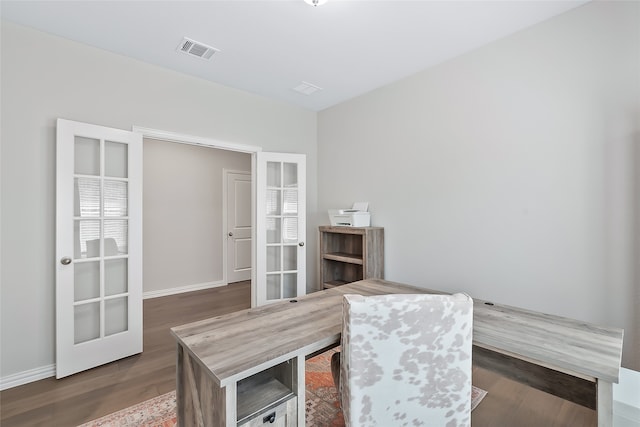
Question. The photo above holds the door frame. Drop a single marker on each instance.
(181, 138)
(225, 219)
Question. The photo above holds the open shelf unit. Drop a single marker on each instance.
(349, 254)
(269, 393)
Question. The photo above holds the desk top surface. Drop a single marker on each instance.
(239, 344)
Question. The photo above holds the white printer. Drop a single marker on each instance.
(357, 216)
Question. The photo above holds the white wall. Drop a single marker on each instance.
(511, 172)
(46, 77)
(182, 216)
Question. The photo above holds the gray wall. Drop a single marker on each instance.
(46, 77)
(511, 172)
(182, 216)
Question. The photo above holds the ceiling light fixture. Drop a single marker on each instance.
(315, 3)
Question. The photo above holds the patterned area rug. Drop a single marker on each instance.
(322, 407)
(157, 412)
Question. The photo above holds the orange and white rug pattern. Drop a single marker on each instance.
(321, 407)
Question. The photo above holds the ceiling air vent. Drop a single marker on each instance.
(306, 88)
(194, 48)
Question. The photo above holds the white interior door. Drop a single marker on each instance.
(280, 226)
(98, 246)
(238, 226)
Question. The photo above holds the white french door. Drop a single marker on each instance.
(281, 226)
(98, 246)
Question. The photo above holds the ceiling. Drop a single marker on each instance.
(268, 47)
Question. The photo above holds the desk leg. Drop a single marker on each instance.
(231, 402)
(301, 388)
(200, 402)
(605, 403)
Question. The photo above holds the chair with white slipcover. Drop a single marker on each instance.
(406, 360)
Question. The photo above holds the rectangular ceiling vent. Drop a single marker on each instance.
(194, 48)
(306, 88)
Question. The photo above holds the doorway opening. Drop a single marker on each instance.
(186, 212)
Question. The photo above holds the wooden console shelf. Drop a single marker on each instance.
(265, 392)
(334, 283)
(349, 254)
(343, 257)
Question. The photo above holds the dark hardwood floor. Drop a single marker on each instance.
(512, 404)
(89, 395)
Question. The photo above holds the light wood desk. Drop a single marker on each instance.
(223, 360)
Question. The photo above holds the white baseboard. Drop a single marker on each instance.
(24, 377)
(625, 415)
(36, 374)
(182, 289)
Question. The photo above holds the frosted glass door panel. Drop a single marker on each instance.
(115, 276)
(115, 159)
(115, 316)
(273, 259)
(86, 239)
(290, 175)
(273, 174)
(290, 230)
(87, 280)
(115, 237)
(87, 322)
(273, 287)
(87, 156)
(115, 198)
(273, 230)
(273, 202)
(86, 198)
(290, 205)
(289, 285)
(289, 258)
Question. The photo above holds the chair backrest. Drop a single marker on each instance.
(406, 360)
